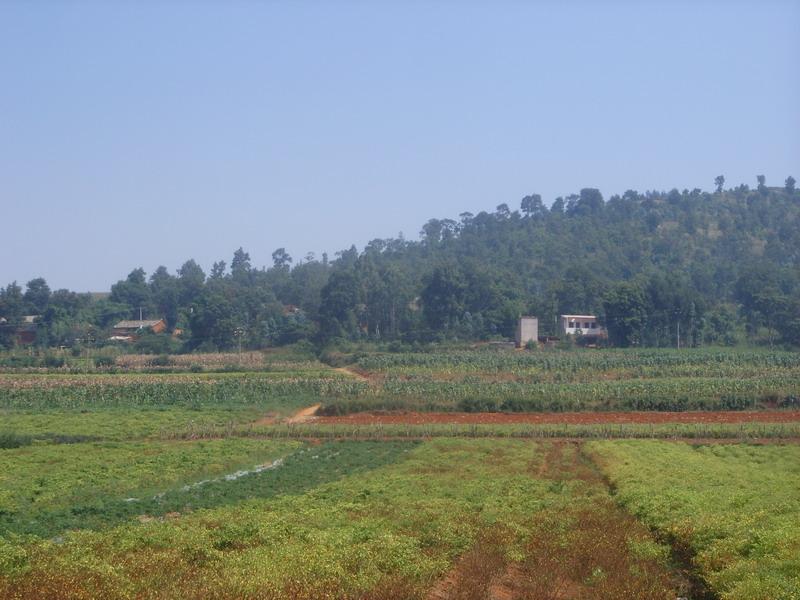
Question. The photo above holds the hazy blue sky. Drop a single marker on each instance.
(139, 134)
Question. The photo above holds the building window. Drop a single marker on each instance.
(586, 326)
(594, 325)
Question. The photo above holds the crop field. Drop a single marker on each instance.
(467, 381)
(735, 508)
(508, 381)
(187, 484)
(110, 360)
(352, 519)
(445, 518)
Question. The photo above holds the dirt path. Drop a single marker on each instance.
(301, 416)
(304, 416)
(572, 418)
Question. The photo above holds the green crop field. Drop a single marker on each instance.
(198, 485)
(735, 508)
(667, 379)
(350, 520)
(399, 519)
(481, 380)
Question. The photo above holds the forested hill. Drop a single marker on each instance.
(723, 264)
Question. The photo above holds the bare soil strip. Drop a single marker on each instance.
(572, 418)
(304, 416)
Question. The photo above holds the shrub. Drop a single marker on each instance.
(162, 360)
(53, 362)
(478, 405)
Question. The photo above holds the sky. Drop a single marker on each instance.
(139, 134)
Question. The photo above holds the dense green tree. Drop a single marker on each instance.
(789, 322)
(212, 322)
(11, 313)
(105, 313)
(281, 259)
(165, 292)
(763, 301)
(532, 206)
(240, 265)
(339, 299)
(625, 313)
(218, 270)
(443, 296)
(762, 185)
(37, 296)
(708, 268)
(588, 203)
(191, 280)
(133, 292)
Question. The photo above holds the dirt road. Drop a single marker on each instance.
(305, 415)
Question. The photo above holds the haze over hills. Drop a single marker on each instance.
(724, 266)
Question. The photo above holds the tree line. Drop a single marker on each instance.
(659, 268)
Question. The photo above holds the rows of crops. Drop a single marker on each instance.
(646, 379)
(112, 360)
(325, 431)
(361, 520)
(592, 360)
(343, 395)
(157, 390)
(45, 489)
(115, 485)
(736, 509)
(658, 394)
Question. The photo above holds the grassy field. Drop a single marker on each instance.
(195, 484)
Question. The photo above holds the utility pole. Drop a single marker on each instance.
(679, 333)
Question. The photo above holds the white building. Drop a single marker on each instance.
(585, 325)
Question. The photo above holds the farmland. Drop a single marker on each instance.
(735, 508)
(695, 379)
(137, 483)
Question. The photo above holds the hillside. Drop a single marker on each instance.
(725, 265)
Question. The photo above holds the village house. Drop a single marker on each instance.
(25, 330)
(128, 331)
(585, 325)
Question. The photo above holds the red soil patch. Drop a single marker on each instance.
(573, 418)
